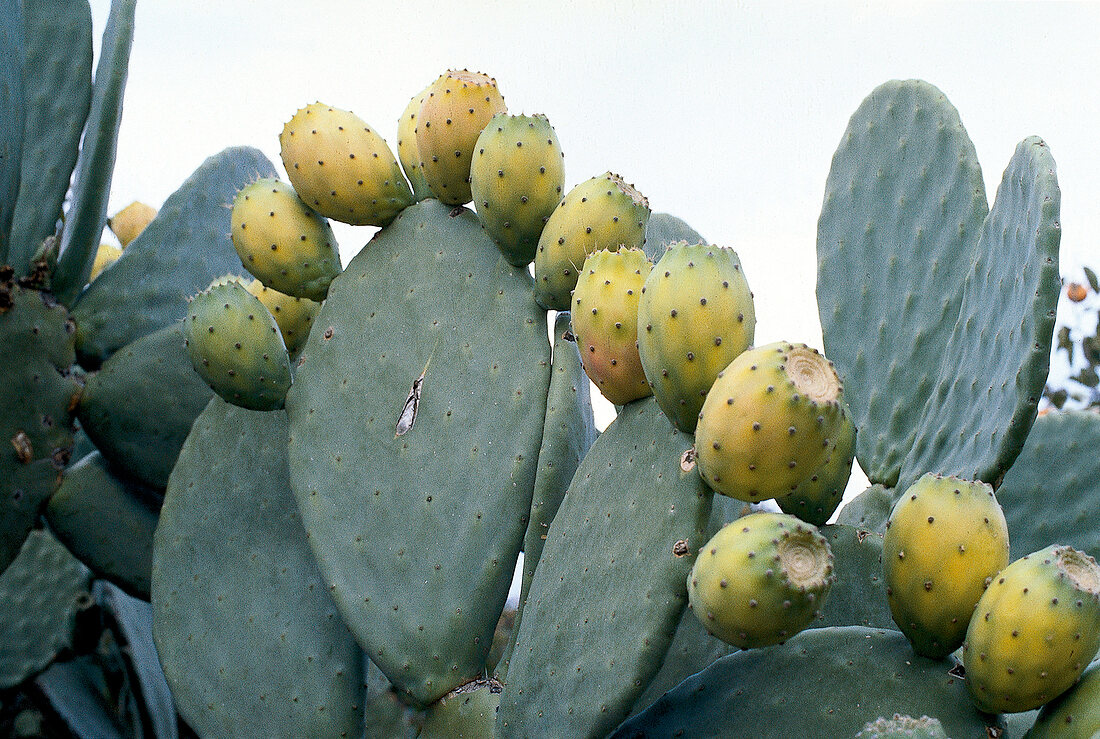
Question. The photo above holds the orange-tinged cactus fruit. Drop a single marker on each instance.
(458, 106)
(342, 168)
(945, 540)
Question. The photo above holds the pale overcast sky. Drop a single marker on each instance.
(723, 113)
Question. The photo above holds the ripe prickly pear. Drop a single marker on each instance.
(601, 213)
(768, 422)
(761, 579)
(695, 316)
(1075, 713)
(817, 497)
(945, 540)
(342, 168)
(1035, 629)
(129, 222)
(605, 322)
(293, 315)
(516, 180)
(105, 256)
(407, 150)
(458, 106)
(282, 241)
(236, 347)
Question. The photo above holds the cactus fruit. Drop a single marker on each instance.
(601, 213)
(517, 178)
(407, 151)
(768, 422)
(456, 108)
(105, 256)
(1034, 630)
(282, 241)
(1075, 713)
(761, 579)
(903, 727)
(236, 347)
(816, 498)
(129, 222)
(342, 168)
(945, 540)
(605, 322)
(294, 315)
(695, 316)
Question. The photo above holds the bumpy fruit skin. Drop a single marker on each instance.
(458, 106)
(768, 422)
(761, 579)
(945, 540)
(342, 168)
(695, 316)
(516, 179)
(293, 315)
(105, 256)
(602, 213)
(1034, 630)
(236, 347)
(129, 222)
(407, 150)
(282, 241)
(816, 498)
(605, 322)
(1075, 713)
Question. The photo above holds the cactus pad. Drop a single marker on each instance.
(858, 597)
(249, 638)
(415, 424)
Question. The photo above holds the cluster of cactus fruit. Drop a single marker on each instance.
(315, 480)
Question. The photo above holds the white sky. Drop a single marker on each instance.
(723, 113)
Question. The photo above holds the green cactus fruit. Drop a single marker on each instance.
(456, 108)
(517, 178)
(341, 167)
(605, 322)
(236, 347)
(903, 727)
(1075, 713)
(768, 422)
(1035, 629)
(945, 540)
(602, 213)
(294, 315)
(129, 222)
(695, 316)
(817, 497)
(761, 579)
(282, 241)
(467, 712)
(407, 151)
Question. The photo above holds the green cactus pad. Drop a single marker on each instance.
(663, 229)
(996, 359)
(91, 189)
(40, 594)
(57, 81)
(858, 597)
(36, 404)
(870, 510)
(903, 727)
(594, 632)
(903, 206)
(12, 115)
(106, 522)
(1075, 713)
(566, 437)
(824, 682)
(139, 406)
(1051, 492)
(250, 640)
(416, 419)
(185, 247)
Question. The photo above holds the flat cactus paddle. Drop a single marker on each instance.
(178, 254)
(249, 638)
(1051, 493)
(663, 229)
(858, 597)
(870, 510)
(12, 116)
(823, 682)
(997, 358)
(903, 207)
(594, 634)
(416, 419)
